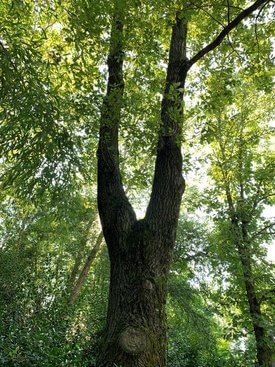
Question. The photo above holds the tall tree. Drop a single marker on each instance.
(140, 250)
(239, 132)
(51, 85)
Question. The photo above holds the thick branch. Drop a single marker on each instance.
(115, 211)
(233, 24)
(168, 183)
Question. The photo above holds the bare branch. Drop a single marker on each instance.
(234, 49)
(259, 199)
(86, 268)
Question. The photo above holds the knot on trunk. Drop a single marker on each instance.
(133, 340)
(148, 285)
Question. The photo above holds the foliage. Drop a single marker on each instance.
(38, 327)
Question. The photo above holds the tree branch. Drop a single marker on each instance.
(168, 183)
(210, 15)
(116, 213)
(86, 268)
(263, 231)
(259, 199)
(233, 24)
(81, 247)
(228, 11)
(256, 30)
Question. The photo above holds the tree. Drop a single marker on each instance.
(239, 134)
(52, 80)
(140, 250)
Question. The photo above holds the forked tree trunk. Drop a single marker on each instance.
(139, 251)
(136, 331)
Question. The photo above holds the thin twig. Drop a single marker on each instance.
(210, 15)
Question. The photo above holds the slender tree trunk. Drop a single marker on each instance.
(85, 270)
(79, 257)
(240, 221)
(263, 350)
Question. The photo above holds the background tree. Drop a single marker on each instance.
(243, 173)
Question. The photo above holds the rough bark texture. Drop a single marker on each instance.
(140, 251)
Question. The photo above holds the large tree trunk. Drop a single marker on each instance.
(136, 321)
